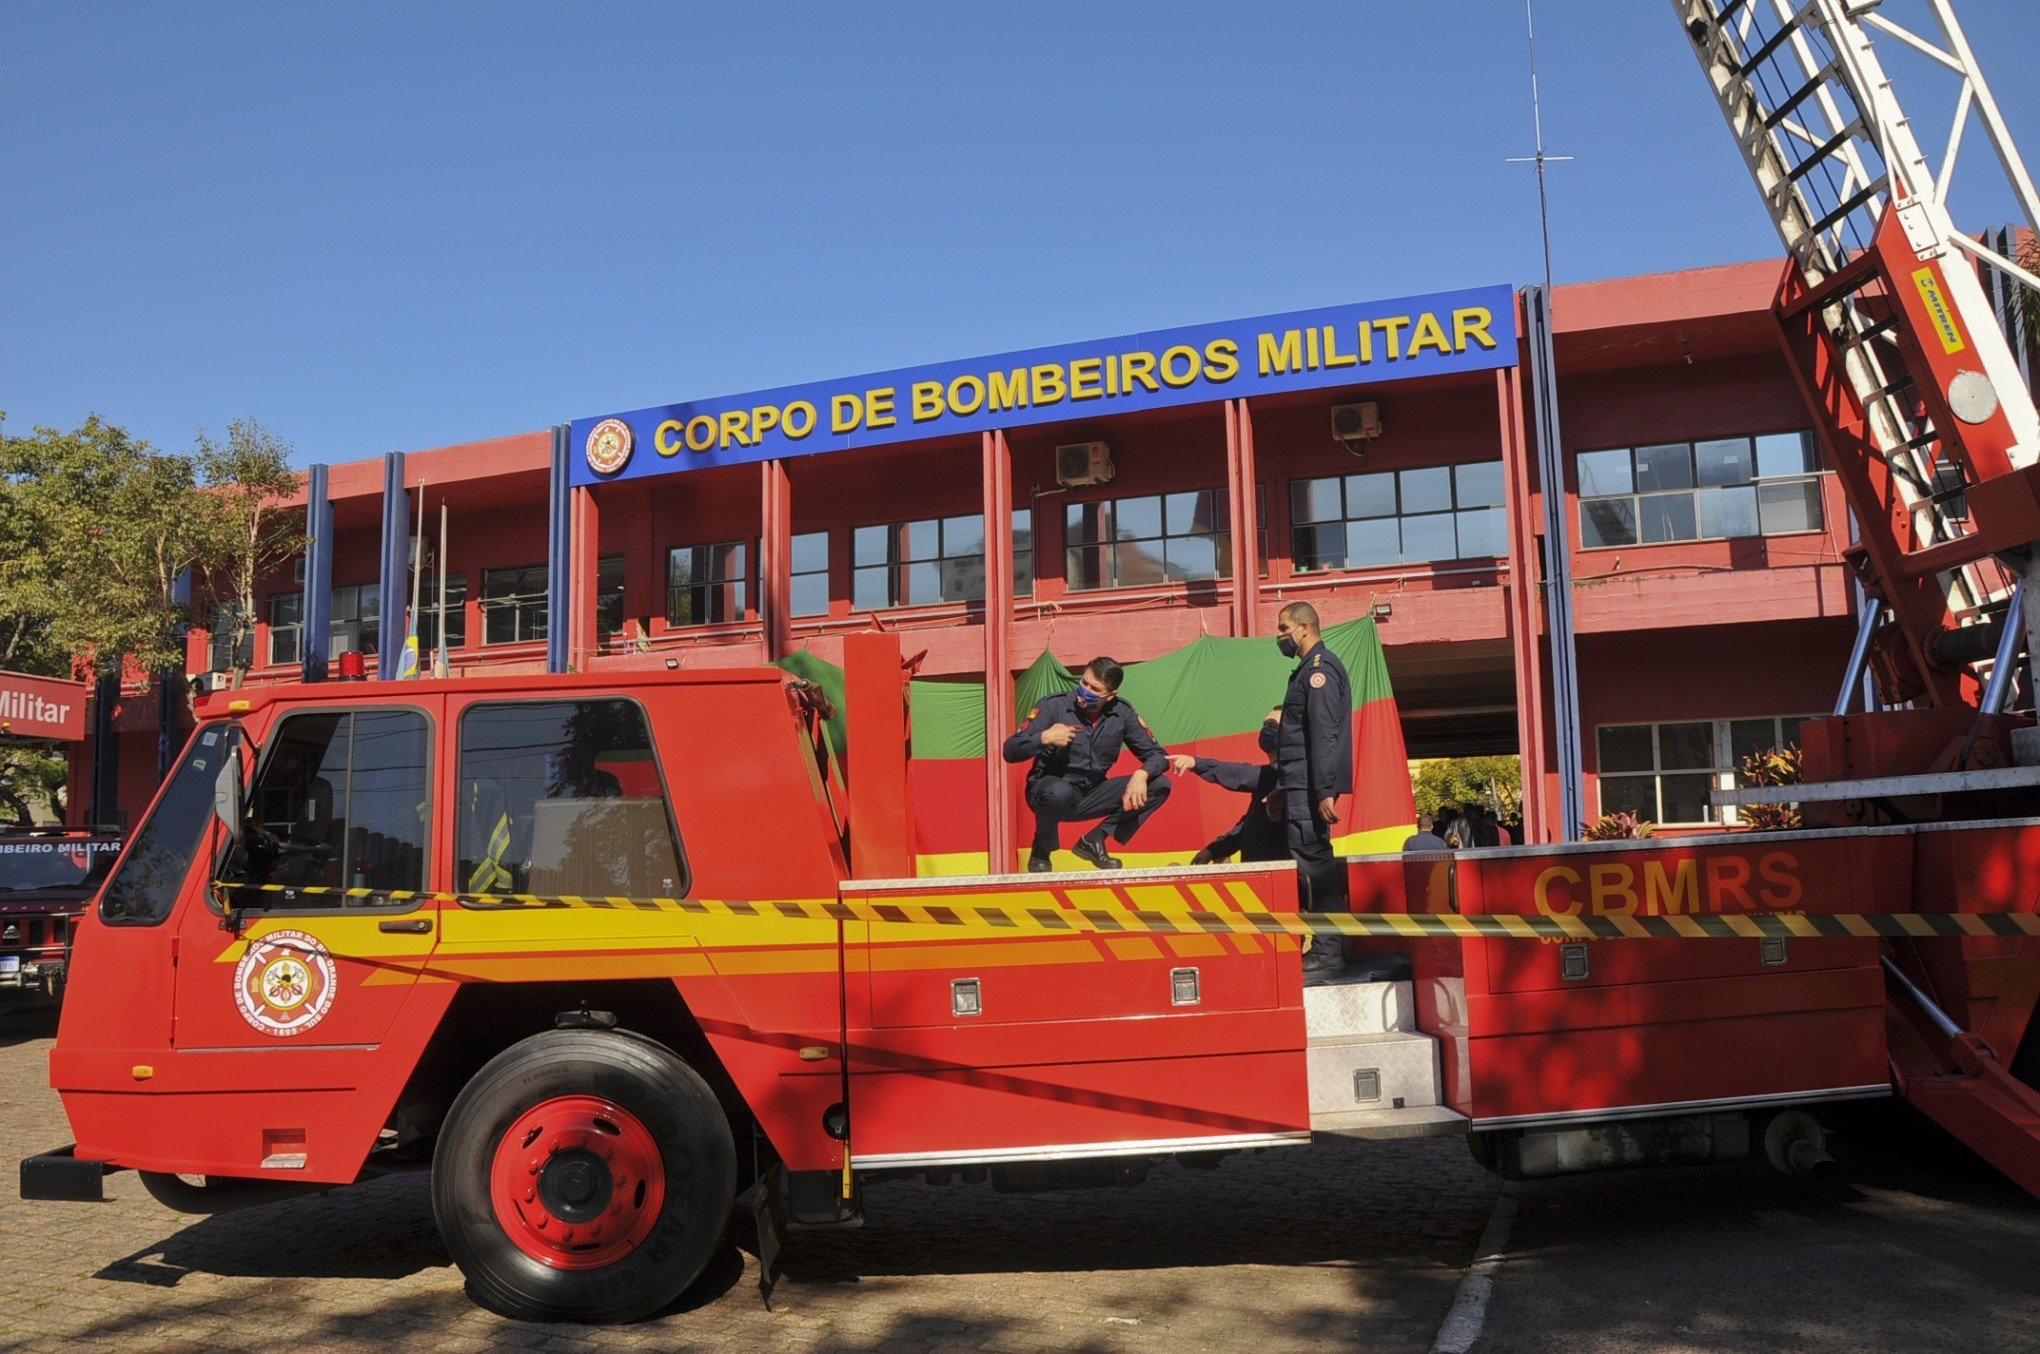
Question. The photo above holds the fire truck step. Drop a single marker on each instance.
(1372, 1072)
(1419, 1121)
(1358, 1008)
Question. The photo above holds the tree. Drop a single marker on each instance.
(1496, 782)
(32, 784)
(104, 525)
(251, 534)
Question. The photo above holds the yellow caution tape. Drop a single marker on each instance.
(1013, 918)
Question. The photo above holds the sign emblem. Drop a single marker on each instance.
(285, 983)
(609, 446)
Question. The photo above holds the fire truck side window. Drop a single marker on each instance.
(144, 889)
(564, 797)
(342, 801)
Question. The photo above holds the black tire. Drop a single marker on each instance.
(672, 1106)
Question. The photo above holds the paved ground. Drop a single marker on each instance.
(1920, 1248)
(1290, 1249)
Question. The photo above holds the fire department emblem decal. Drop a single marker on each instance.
(609, 446)
(285, 983)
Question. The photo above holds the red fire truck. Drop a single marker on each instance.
(602, 953)
(48, 876)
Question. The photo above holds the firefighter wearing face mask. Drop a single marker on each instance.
(1074, 738)
(1314, 765)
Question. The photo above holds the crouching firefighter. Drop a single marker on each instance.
(1074, 738)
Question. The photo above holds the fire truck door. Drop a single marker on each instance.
(338, 819)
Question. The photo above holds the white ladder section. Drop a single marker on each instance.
(1823, 135)
(1373, 1074)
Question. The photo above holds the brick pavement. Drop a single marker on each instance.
(1290, 1249)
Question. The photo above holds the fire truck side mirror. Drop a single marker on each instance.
(227, 803)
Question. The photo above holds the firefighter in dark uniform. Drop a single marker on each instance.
(1258, 835)
(1313, 767)
(1074, 738)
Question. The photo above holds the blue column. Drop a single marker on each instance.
(315, 609)
(396, 566)
(1558, 591)
(559, 557)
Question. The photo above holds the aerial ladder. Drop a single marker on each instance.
(1906, 339)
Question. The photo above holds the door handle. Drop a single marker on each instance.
(412, 925)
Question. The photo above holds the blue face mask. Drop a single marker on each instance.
(1088, 700)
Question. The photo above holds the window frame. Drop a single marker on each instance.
(459, 722)
(1223, 495)
(268, 749)
(1450, 514)
(1722, 772)
(895, 563)
(518, 604)
(744, 611)
(1689, 494)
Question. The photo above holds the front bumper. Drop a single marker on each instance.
(63, 1176)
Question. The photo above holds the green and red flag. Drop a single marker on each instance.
(1207, 699)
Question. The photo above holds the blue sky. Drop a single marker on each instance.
(396, 226)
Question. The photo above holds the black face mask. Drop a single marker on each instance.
(1288, 646)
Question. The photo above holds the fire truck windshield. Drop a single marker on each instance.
(144, 888)
(26, 866)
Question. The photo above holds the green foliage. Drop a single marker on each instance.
(1618, 827)
(1496, 782)
(104, 525)
(96, 528)
(32, 785)
(249, 534)
(1771, 766)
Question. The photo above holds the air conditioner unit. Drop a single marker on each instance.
(1081, 463)
(1356, 422)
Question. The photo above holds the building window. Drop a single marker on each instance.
(1386, 517)
(1698, 491)
(918, 563)
(354, 626)
(456, 615)
(514, 604)
(810, 581)
(1663, 772)
(229, 650)
(1158, 538)
(609, 595)
(705, 583)
(357, 620)
(286, 627)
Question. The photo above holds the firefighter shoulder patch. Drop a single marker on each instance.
(1317, 679)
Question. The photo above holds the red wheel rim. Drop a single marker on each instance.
(577, 1182)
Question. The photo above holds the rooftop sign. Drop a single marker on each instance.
(1370, 342)
(40, 707)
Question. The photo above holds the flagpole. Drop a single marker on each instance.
(440, 667)
(410, 653)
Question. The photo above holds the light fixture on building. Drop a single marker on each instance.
(672, 663)
(1383, 610)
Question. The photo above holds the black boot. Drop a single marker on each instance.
(1091, 847)
(1038, 862)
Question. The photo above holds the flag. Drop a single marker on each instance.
(1207, 698)
(407, 662)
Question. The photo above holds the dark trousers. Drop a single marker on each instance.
(1309, 838)
(1056, 801)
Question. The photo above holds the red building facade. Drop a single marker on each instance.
(1706, 582)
